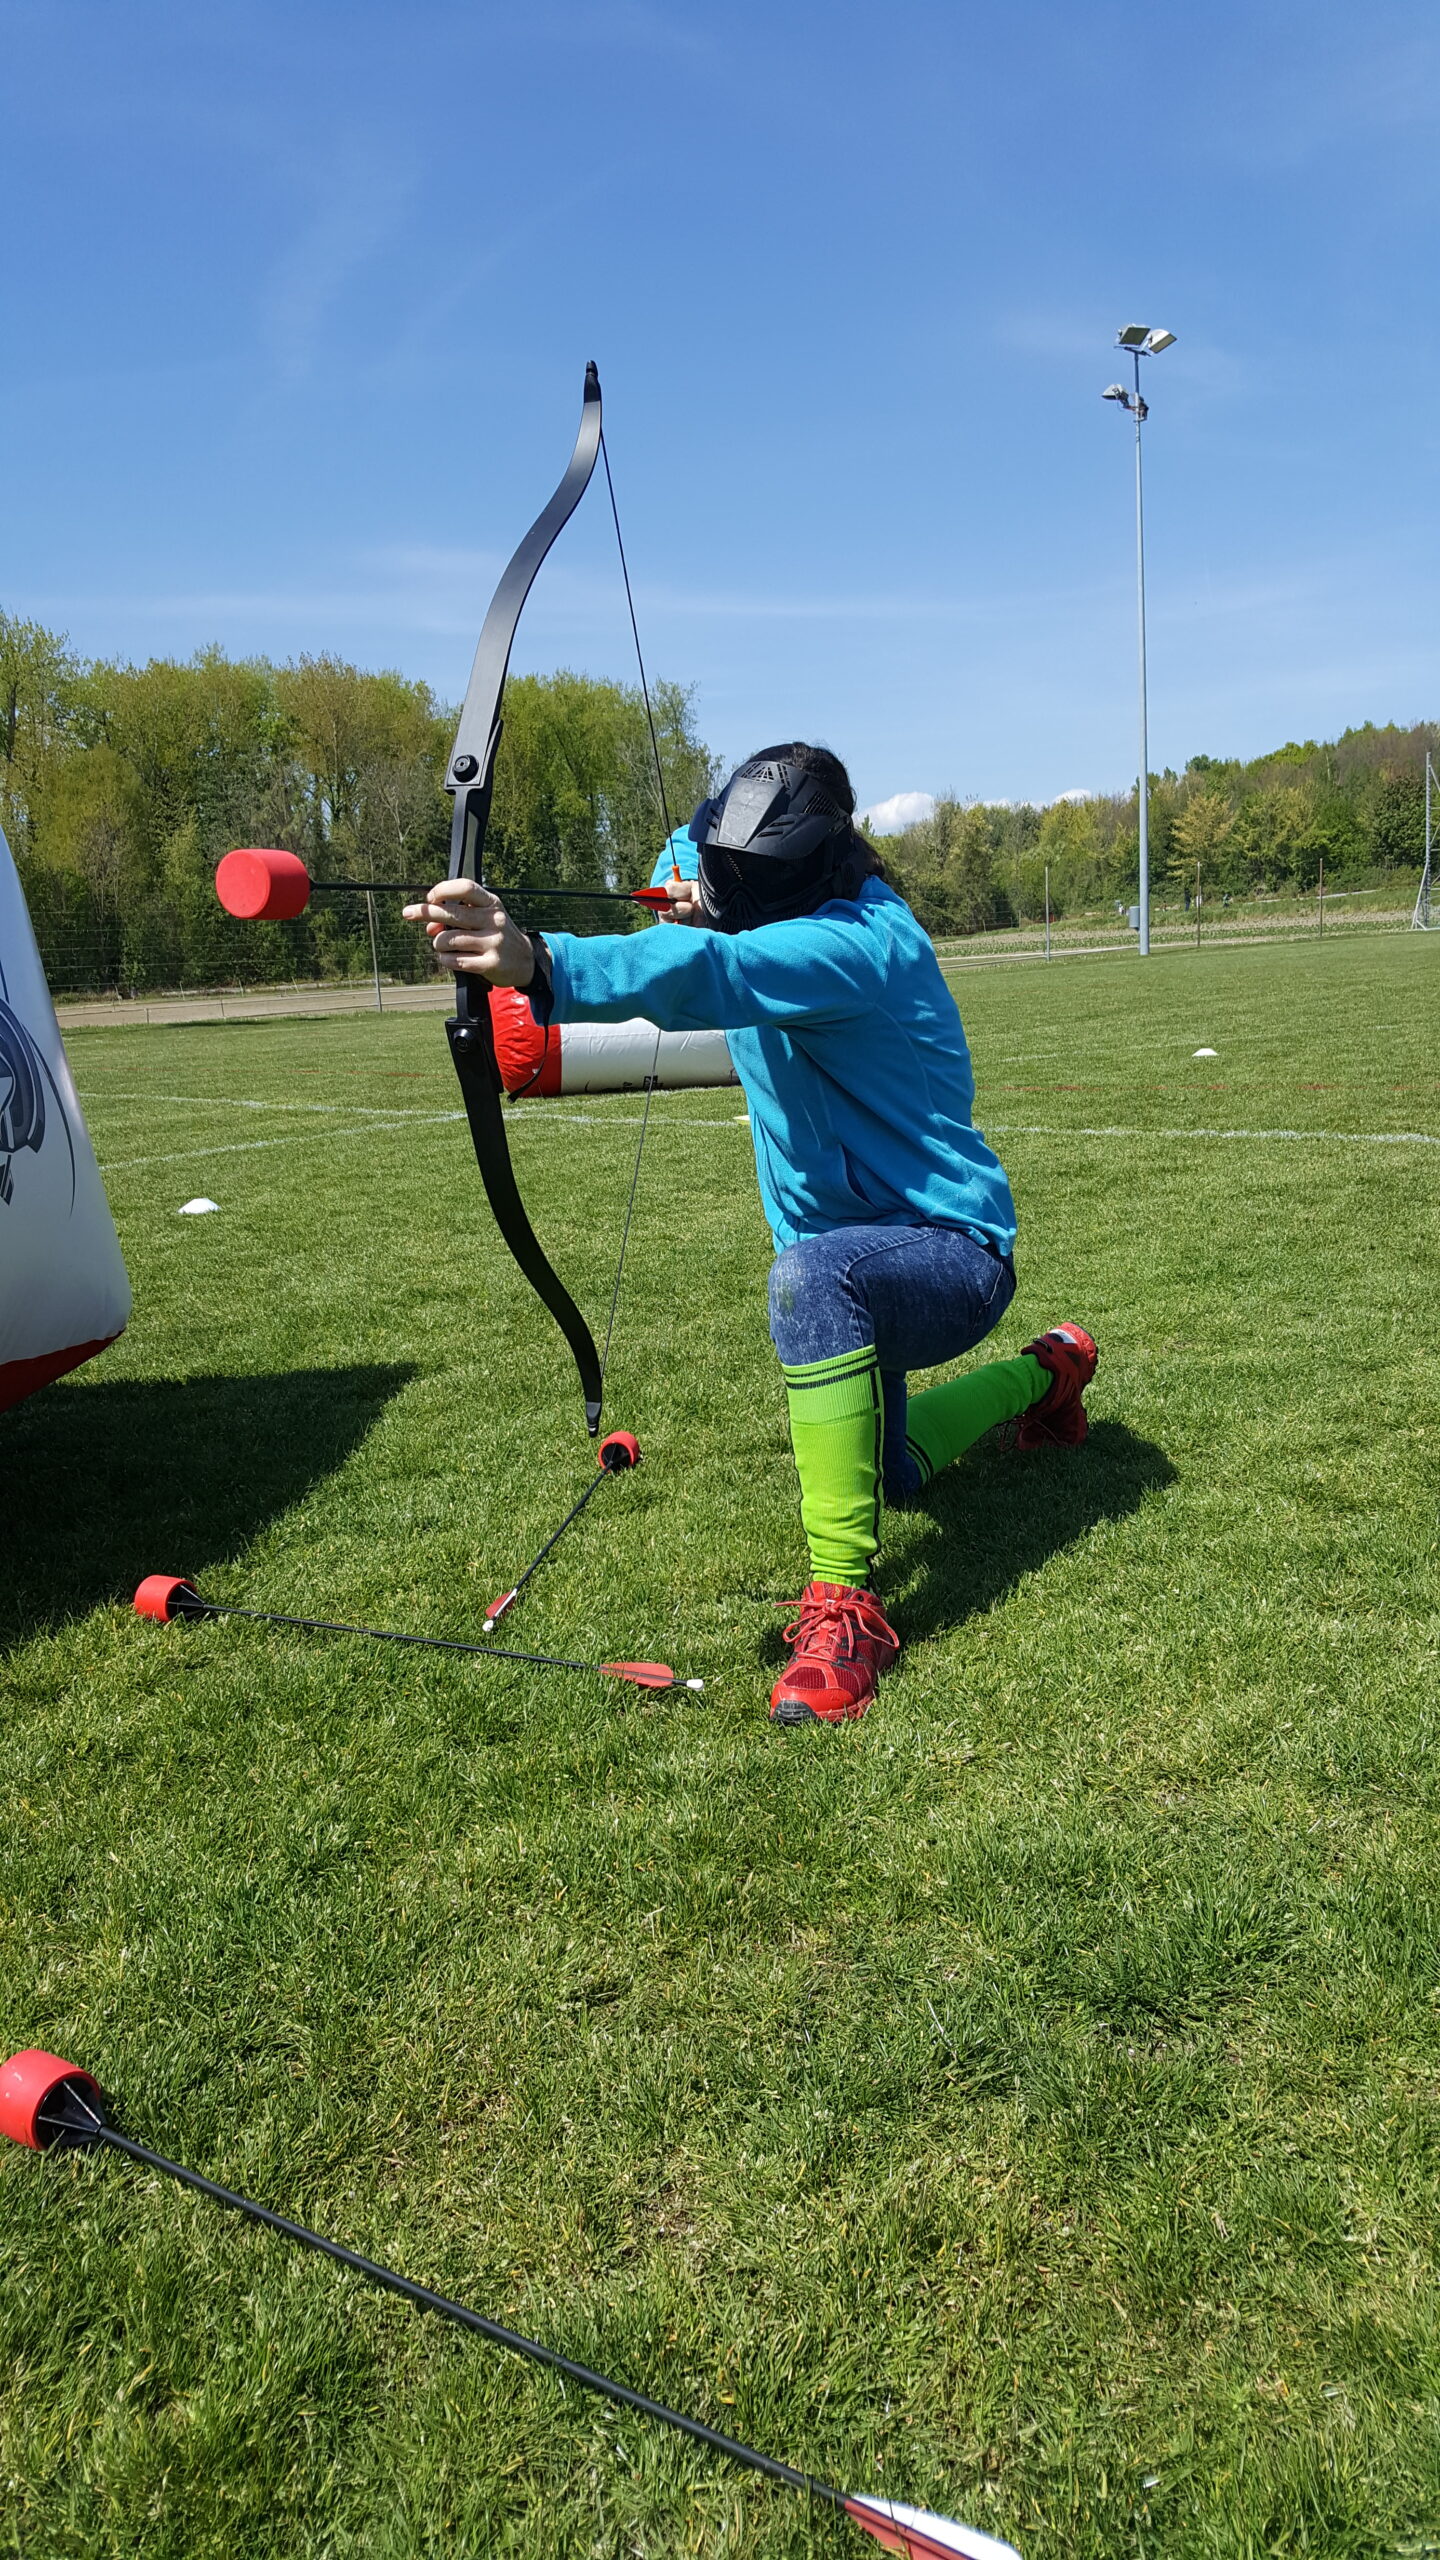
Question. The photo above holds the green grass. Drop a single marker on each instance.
(1024, 2103)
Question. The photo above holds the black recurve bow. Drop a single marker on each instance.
(470, 779)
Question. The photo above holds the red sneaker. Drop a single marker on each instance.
(1059, 1420)
(842, 1644)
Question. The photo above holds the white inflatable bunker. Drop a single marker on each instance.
(63, 1290)
(598, 1057)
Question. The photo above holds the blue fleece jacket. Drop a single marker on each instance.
(847, 1042)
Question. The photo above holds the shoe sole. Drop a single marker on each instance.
(793, 1711)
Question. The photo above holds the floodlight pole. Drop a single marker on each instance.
(1144, 779)
(1420, 921)
(1138, 341)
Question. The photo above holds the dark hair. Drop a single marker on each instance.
(864, 862)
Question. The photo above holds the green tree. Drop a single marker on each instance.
(1201, 834)
(38, 683)
(947, 868)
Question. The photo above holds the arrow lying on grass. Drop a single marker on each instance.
(47, 2103)
(618, 1452)
(168, 1595)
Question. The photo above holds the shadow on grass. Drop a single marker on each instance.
(997, 1516)
(109, 1480)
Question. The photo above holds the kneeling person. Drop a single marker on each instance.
(892, 1218)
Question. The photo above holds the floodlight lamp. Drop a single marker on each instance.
(1134, 337)
(1117, 391)
(1158, 341)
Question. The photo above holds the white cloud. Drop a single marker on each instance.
(903, 809)
(1075, 796)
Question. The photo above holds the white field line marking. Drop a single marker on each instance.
(383, 1128)
(239, 1102)
(250, 1146)
(1165, 1052)
(1291, 1137)
(628, 1120)
(389, 1111)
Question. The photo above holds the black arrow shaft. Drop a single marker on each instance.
(522, 889)
(446, 2309)
(383, 1635)
(554, 1538)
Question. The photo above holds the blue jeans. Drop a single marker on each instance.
(921, 1295)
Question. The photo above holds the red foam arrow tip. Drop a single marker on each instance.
(158, 1594)
(917, 2534)
(262, 882)
(645, 1675)
(26, 2081)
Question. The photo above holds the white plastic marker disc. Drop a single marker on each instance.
(919, 2533)
(1204, 1053)
(197, 1208)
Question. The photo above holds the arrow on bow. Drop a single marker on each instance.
(267, 882)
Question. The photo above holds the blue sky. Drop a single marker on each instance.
(298, 301)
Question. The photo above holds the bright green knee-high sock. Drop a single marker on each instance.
(945, 1421)
(836, 1413)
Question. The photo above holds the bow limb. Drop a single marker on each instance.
(472, 1046)
(470, 779)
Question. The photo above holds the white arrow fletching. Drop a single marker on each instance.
(918, 2535)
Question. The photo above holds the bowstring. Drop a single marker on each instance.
(669, 831)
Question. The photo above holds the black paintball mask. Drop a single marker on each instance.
(776, 843)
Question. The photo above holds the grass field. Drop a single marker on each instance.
(1026, 2103)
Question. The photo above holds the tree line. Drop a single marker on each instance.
(1357, 806)
(121, 787)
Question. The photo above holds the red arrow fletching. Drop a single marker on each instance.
(918, 2535)
(644, 1675)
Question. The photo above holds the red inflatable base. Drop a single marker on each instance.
(26, 2081)
(21, 1378)
(263, 884)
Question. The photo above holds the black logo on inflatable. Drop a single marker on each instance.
(23, 1078)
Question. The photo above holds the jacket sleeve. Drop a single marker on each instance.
(818, 970)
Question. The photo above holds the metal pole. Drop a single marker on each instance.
(1047, 896)
(374, 952)
(1197, 906)
(1322, 893)
(1144, 785)
(1420, 920)
(1425, 892)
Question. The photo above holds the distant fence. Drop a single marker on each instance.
(1212, 925)
(85, 1002)
(250, 1004)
